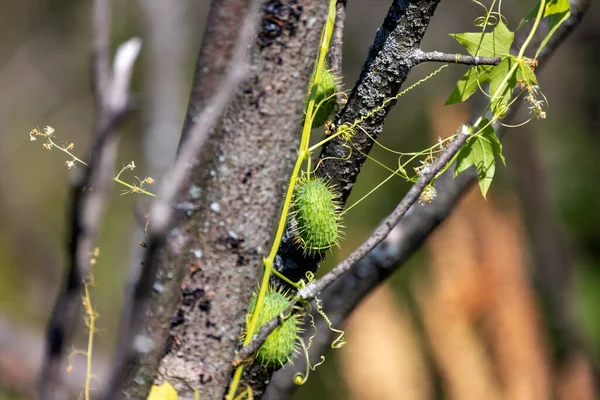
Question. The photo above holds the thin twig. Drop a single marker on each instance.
(90, 192)
(437, 56)
(314, 289)
(132, 342)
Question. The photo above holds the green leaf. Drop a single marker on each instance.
(493, 44)
(489, 44)
(500, 96)
(552, 7)
(162, 392)
(557, 12)
(467, 85)
(554, 22)
(481, 151)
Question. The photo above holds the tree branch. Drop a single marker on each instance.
(385, 70)
(90, 192)
(437, 56)
(100, 49)
(426, 175)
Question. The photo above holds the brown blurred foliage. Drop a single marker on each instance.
(482, 324)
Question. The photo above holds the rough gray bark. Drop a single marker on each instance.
(228, 207)
(385, 70)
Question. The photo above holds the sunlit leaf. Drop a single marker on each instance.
(500, 96)
(554, 22)
(494, 44)
(557, 12)
(552, 7)
(481, 151)
(467, 85)
(162, 392)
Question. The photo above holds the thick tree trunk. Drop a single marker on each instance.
(227, 210)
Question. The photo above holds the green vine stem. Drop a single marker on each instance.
(303, 154)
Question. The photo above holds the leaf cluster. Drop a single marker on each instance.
(498, 83)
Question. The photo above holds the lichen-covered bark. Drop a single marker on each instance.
(385, 70)
(227, 211)
(389, 61)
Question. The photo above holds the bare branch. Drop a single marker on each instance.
(312, 290)
(90, 192)
(437, 56)
(118, 94)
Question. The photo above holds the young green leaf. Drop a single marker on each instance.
(552, 7)
(490, 44)
(481, 150)
(493, 44)
(500, 96)
(554, 22)
(557, 12)
(467, 85)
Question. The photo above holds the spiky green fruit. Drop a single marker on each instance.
(325, 99)
(277, 350)
(315, 214)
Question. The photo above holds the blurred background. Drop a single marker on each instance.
(503, 301)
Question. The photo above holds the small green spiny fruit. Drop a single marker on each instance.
(326, 91)
(315, 214)
(279, 347)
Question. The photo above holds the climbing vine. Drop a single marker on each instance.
(310, 204)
